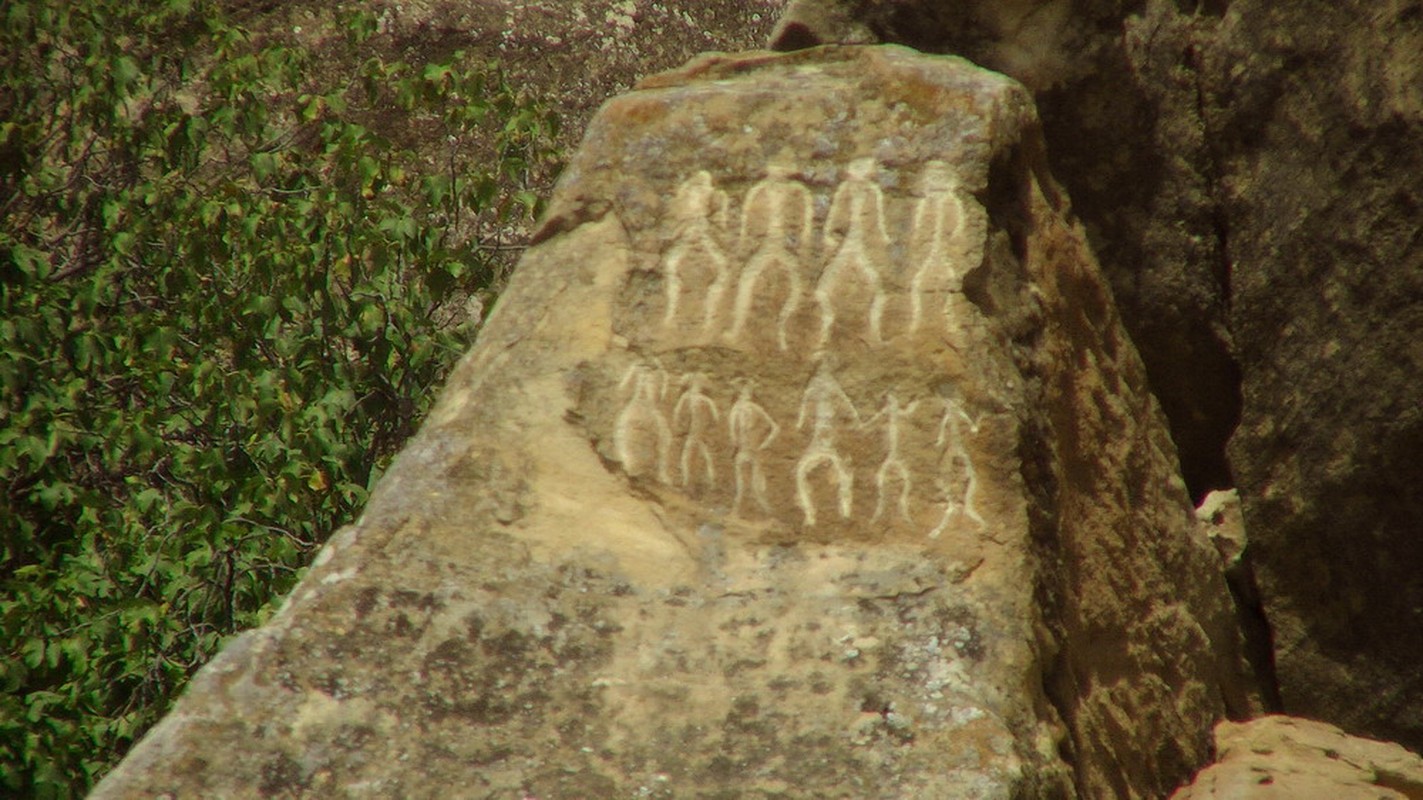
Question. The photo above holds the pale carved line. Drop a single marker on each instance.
(855, 233)
(701, 414)
(747, 445)
(695, 206)
(776, 211)
(641, 413)
(829, 401)
(950, 433)
(939, 219)
(893, 465)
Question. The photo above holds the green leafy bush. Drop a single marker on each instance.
(226, 296)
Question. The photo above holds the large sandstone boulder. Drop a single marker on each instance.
(805, 456)
(1288, 758)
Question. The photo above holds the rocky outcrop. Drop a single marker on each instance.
(805, 456)
(1247, 172)
(1298, 759)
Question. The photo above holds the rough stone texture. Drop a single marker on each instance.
(1321, 109)
(805, 456)
(1297, 759)
(1248, 172)
(1118, 87)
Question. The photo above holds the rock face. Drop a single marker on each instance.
(1248, 174)
(805, 456)
(1298, 759)
(1323, 122)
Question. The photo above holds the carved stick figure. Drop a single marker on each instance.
(776, 231)
(701, 414)
(752, 431)
(951, 434)
(641, 435)
(938, 225)
(830, 402)
(893, 465)
(695, 247)
(855, 234)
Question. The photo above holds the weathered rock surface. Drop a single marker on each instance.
(805, 456)
(1248, 174)
(1119, 91)
(1322, 116)
(1298, 759)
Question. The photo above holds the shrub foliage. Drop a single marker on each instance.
(227, 290)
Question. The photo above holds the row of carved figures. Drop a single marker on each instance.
(776, 239)
(644, 442)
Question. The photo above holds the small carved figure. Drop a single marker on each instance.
(752, 431)
(775, 232)
(700, 414)
(892, 468)
(695, 255)
(934, 238)
(856, 238)
(951, 434)
(641, 435)
(829, 402)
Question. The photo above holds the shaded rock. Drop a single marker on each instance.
(1299, 759)
(1321, 121)
(805, 456)
(1222, 519)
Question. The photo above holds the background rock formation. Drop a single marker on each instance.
(741, 493)
(1247, 173)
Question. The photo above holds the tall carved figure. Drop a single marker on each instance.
(752, 431)
(775, 233)
(698, 414)
(641, 435)
(892, 468)
(938, 227)
(695, 264)
(960, 465)
(824, 403)
(857, 243)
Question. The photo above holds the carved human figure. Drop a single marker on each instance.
(752, 431)
(951, 433)
(938, 226)
(641, 435)
(695, 257)
(857, 243)
(775, 235)
(893, 467)
(698, 415)
(823, 404)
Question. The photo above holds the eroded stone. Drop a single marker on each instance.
(804, 456)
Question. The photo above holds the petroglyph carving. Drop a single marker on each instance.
(775, 231)
(695, 256)
(960, 465)
(893, 467)
(938, 226)
(827, 402)
(699, 414)
(641, 435)
(752, 431)
(856, 238)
